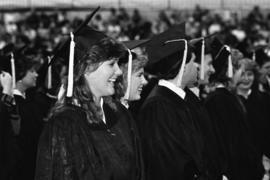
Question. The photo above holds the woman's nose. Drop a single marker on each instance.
(118, 71)
(144, 81)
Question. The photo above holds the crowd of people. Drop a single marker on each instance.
(184, 97)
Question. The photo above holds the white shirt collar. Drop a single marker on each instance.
(268, 80)
(196, 91)
(220, 86)
(124, 103)
(180, 92)
(103, 114)
(19, 93)
(247, 94)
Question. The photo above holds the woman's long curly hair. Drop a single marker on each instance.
(104, 50)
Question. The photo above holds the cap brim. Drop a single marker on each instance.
(135, 43)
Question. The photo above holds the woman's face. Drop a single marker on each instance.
(30, 79)
(101, 81)
(137, 83)
(246, 80)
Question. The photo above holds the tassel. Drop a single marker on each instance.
(202, 60)
(13, 72)
(49, 74)
(127, 94)
(230, 67)
(70, 67)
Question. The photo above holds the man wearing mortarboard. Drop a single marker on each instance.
(172, 144)
(237, 155)
(202, 50)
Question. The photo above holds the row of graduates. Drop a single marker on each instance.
(173, 134)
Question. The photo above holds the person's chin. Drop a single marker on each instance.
(137, 97)
(245, 86)
(110, 91)
(204, 82)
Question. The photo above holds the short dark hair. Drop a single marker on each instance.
(24, 64)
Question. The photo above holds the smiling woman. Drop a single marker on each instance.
(138, 80)
(89, 135)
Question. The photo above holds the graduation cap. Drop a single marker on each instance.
(7, 49)
(201, 47)
(11, 48)
(131, 45)
(165, 51)
(84, 37)
(76, 46)
(222, 61)
(261, 55)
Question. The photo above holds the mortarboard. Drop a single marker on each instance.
(5, 64)
(84, 36)
(221, 61)
(201, 47)
(132, 44)
(261, 55)
(76, 46)
(165, 57)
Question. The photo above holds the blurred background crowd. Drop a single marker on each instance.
(42, 30)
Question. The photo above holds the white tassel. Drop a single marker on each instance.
(49, 74)
(230, 67)
(13, 72)
(202, 60)
(127, 94)
(182, 68)
(70, 66)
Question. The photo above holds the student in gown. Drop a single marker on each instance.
(256, 104)
(202, 50)
(30, 129)
(9, 126)
(237, 153)
(89, 135)
(171, 143)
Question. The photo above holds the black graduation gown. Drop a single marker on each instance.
(9, 150)
(170, 142)
(238, 156)
(28, 137)
(201, 117)
(72, 148)
(43, 104)
(257, 105)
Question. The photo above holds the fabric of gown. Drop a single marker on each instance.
(238, 156)
(28, 137)
(9, 151)
(71, 148)
(172, 147)
(200, 115)
(257, 105)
